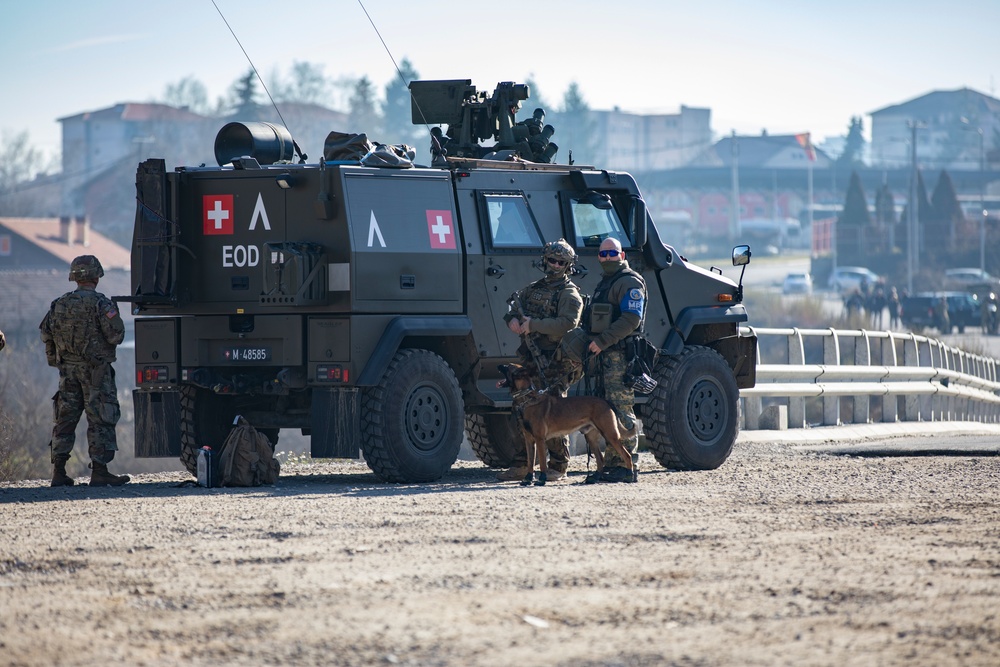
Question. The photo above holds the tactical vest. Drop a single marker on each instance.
(75, 329)
(601, 296)
(541, 299)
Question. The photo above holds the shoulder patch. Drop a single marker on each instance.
(635, 293)
(111, 314)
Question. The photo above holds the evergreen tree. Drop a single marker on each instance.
(362, 112)
(853, 224)
(576, 129)
(535, 99)
(242, 100)
(885, 207)
(924, 214)
(948, 219)
(854, 145)
(397, 110)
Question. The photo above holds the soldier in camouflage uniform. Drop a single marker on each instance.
(80, 332)
(551, 306)
(622, 292)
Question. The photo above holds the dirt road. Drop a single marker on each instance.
(778, 558)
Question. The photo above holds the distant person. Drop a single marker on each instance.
(895, 307)
(80, 332)
(942, 320)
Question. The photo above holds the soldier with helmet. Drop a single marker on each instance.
(541, 314)
(81, 331)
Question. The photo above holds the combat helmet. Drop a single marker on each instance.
(85, 268)
(559, 250)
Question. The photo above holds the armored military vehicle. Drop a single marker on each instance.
(360, 298)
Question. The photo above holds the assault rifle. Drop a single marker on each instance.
(541, 361)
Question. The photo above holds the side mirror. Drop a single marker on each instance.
(638, 214)
(741, 255)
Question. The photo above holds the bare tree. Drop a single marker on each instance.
(306, 83)
(189, 92)
(25, 187)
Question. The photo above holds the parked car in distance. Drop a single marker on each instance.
(967, 277)
(797, 283)
(846, 279)
(917, 311)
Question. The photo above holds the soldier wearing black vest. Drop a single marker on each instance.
(616, 311)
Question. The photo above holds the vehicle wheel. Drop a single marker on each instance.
(206, 419)
(411, 422)
(694, 411)
(494, 439)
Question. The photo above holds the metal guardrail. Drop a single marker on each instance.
(830, 377)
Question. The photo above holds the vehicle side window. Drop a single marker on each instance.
(510, 222)
(592, 225)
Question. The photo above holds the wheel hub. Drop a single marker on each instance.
(708, 412)
(426, 417)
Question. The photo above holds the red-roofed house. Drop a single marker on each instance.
(35, 254)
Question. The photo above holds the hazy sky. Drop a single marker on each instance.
(791, 66)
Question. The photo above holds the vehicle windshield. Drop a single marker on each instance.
(592, 225)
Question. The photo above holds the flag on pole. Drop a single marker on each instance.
(806, 143)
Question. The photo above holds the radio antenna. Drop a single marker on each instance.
(302, 158)
(398, 72)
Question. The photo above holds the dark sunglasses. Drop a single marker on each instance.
(555, 262)
(608, 253)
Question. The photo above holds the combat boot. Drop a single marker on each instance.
(59, 476)
(100, 476)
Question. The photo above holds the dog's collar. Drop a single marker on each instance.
(520, 393)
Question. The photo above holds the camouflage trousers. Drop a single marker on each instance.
(561, 374)
(611, 364)
(86, 389)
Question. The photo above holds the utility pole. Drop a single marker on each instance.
(734, 218)
(982, 191)
(911, 210)
(982, 201)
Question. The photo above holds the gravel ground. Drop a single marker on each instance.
(781, 557)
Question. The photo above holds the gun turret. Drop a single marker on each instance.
(472, 117)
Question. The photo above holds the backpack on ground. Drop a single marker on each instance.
(247, 458)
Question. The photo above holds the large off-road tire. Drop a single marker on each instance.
(411, 422)
(493, 439)
(693, 418)
(206, 419)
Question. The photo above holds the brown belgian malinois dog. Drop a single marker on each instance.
(544, 416)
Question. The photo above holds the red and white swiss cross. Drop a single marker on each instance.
(441, 230)
(217, 214)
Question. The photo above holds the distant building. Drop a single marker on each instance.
(648, 142)
(101, 149)
(948, 133)
(35, 254)
(750, 166)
